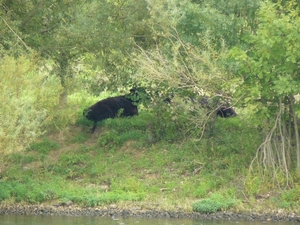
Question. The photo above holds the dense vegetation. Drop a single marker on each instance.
(59, 57)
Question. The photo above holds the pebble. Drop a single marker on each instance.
(114, 212)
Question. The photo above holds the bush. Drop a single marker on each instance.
(5, 191)
(207, 206)
(27, 97)
(214, 204)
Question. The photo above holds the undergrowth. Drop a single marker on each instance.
(125, 161)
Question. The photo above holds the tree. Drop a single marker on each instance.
(181, 26)
(112, 29)
(269, 71)
(183, 68)
(65, 31)
(229, 20)
(42, 26)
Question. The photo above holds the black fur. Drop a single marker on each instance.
(222, 109)
(111, 107)
(226, 112)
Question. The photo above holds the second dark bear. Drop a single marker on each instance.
(111, 107)
(226, 112)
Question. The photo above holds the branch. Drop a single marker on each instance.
(49, 29)
(15, 33)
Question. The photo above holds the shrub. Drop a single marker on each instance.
(214, 204)
(27, 97)
(5, 191)
(207, 206)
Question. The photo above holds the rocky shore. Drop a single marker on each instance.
(115, 212)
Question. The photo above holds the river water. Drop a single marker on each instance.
(70, 220)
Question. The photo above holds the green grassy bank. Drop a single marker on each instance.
(131, 161)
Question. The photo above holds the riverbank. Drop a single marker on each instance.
(130, 177)
(115, 212)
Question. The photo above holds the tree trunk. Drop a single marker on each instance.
(295, 121)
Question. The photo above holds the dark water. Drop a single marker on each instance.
(68, 220)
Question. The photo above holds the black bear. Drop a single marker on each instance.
(222, 109)
(226, 112)
(123, 106)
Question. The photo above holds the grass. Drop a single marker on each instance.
(125, 161)
(44, 146)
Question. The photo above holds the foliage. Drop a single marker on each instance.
(116, 26)
(46, 28)
(270, 68)
(269, 78)
(230, 20)
(106, 32)
(186, 73)
(24, 109)
(67, 32)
